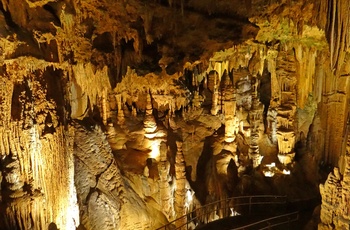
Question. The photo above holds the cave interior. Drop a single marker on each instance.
(136, 114)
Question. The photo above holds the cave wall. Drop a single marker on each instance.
(126, 107)
(35, 148)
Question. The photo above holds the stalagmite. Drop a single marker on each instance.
(287, 107)
(275, 86)
(215, 99)
(197, 100)
(149, 122)
(165, 192)
(255, 118)
(272, 124)
(229, 109)
(105, 109)
(180, 191)
(94, 95)
(120, 110)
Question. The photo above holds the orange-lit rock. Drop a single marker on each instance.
(95, 96)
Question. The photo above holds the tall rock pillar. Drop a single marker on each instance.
(255, 118)
(286, 112)
(229, 108)
(164, 186)
(215, 99)
(180, 191)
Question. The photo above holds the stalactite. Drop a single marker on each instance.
(59, 206)
(219, 70)
(93, 83)
(338, 32)
(37, 145)
(334, 8)
(306, 69)
(275, 89)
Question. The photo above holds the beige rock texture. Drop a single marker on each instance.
(335, 213)
(130, 114)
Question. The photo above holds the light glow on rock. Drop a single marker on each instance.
(234, 212)
(189, 199)
(270, 171)
(155, 153)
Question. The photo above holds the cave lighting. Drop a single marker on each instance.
(189, 199)
(155, 153)
(268, 173)
(270, 170)
(234, 212)
(189, 196)
(150, 135)
(286, 172)
(270, 166)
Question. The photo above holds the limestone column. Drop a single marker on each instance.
(120, 111)
(105, 107)
(164, 186)
(255, 117)
(180, 191)
(150, 128)
(215, 99)
(275, 86)
(149, 123)
(272, 124)
(229, 110)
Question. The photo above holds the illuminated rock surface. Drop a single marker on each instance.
(129, 114)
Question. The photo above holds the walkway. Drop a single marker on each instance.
(245, 212)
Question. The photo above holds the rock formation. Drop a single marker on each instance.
(255, 118)
(94, 96)
(180, 191)
(165, 190)
(287, 107)
(335, 212)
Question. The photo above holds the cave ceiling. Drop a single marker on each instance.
(139, 104)
(145, 35)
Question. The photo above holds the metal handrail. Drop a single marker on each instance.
(227, 203)
(271, 219)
